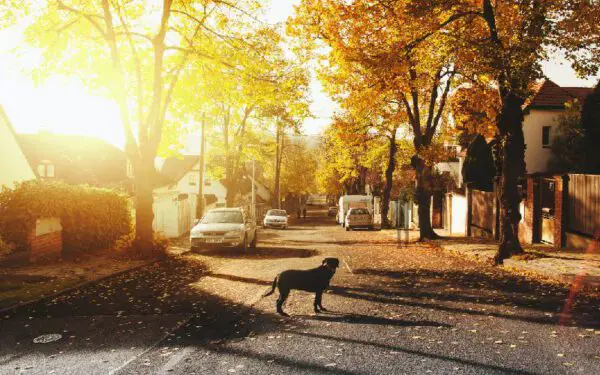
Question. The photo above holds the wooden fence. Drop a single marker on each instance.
(584, 203)
(483, 210)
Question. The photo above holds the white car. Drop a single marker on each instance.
(224, 227)
(358, 218)
(276, 219)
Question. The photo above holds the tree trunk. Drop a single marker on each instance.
(389, 175)
(144, 215)
(423, 196)
(510, 126)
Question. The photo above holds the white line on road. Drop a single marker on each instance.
(135, 357)
(347, 266)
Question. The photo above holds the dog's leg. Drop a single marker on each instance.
(317, 304)
(283, 295)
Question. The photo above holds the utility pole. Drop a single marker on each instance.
(200, 201)
(253, 209)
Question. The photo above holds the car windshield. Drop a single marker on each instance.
(276, 213)
(359, 211)
(213, 217)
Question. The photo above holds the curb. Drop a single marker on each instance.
(72, 288)
(516, 269)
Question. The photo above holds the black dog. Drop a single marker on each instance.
(315, 280)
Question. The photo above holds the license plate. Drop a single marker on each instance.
(214, 240)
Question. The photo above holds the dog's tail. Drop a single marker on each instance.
(273, 286)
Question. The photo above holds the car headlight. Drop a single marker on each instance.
(234, 233)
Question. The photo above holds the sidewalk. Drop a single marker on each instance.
(23, 284)
(563, 265)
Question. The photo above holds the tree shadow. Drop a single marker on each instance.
(259, 253)
(432, 288)
(330, 316)
(420, 353)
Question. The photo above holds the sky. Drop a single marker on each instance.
(64, 105)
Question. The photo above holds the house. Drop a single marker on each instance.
(15, 166)
(175, 200)
(77, 159)
(541, 113)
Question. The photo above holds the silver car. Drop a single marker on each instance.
(224, 227)
(276, 219)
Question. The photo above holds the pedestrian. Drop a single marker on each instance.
(304, 212)
(298, 212)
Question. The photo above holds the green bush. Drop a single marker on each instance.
(92, 218)
(478, 168)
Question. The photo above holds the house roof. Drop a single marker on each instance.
(549, 95)
(83, 159)
(17, 139)
(175, 168)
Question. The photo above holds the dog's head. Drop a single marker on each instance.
(331, 263)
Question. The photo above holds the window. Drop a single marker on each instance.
(192, 179)
(546, 136)
(46, 169)
(49, 170)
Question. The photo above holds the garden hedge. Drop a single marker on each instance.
(92, 218)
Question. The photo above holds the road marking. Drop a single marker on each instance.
(347, 266)
(148, 349)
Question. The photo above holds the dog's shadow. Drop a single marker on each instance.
(368, 319)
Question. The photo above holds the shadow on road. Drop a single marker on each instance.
(477, 290)
(260, 253)
(368, 319)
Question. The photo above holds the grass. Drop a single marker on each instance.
(19, 291)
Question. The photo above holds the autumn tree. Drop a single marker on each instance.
(386, 86)
(340, 169)
(259, 90)
(134, 53)
(508, 40)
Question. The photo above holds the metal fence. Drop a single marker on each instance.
(584, 203)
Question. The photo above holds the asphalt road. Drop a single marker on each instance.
(394, 309)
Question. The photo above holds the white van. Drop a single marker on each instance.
(347, 202)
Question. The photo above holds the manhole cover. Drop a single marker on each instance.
(44, 339)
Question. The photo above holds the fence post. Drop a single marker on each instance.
(560, 210)
(469, 193)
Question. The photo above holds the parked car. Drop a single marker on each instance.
(224, 227)
(276, 219)
(332, 211)
(347, 202)
(358, 218)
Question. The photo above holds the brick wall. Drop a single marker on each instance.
(45, 240)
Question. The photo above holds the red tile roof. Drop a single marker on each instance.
(548, 94)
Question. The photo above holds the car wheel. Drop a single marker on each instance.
(254, 240)
(194, 249)
(347, 229)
